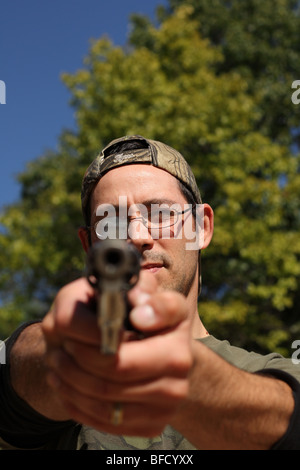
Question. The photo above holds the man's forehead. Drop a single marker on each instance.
(139, 169)
(137, 179)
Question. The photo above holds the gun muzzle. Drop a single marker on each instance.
(113, 268)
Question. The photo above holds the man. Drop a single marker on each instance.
(170, 389)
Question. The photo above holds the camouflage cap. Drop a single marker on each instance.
(150, 152)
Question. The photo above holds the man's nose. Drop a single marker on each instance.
(138, 234)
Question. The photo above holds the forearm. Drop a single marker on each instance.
(231, 409)
(28, 371)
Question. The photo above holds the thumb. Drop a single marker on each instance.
(161, 311)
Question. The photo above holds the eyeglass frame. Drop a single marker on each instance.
(145, 221)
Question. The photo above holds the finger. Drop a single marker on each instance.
(73, 314)
(137, 418)
(166, 390)
(160, 311)
(160, 355)
(141, 292)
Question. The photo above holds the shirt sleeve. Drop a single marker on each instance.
(291, 439)
(20, 425)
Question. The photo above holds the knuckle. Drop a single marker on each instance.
(173, 303)
(174, 391)
(181, 361)
(181, 390)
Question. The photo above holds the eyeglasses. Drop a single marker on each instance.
(154, 219)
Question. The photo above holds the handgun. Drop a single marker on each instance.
(112, 268)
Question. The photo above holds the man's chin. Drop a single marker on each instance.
(160, 274)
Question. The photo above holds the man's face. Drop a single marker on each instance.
(168, 259)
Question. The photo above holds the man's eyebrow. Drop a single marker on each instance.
(148, 202)
(105, 208)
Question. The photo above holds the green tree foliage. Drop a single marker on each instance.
(167, 88)
(39, 249)
(260, 40)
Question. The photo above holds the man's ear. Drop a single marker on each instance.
(84, 236)
(208, 225)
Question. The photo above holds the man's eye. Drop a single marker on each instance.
(110, 222)
(111, 227)
(162, 215)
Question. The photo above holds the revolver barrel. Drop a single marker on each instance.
(113, 268)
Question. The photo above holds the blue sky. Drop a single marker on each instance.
(39, 40)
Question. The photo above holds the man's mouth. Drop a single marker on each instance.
(151, 267)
